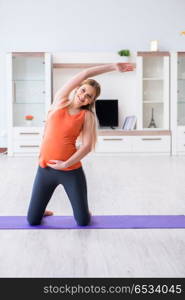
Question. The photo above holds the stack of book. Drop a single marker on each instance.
(129, 123)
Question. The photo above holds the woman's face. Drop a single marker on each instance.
(85, 95)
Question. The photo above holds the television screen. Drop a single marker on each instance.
(107, 112)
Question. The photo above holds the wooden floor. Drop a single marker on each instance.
(116, 185)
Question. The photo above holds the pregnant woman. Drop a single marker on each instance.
(71, 115)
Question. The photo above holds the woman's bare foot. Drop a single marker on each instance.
(48, 213)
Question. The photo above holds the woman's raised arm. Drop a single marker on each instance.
(75, 81)
(121, 67)
(70, 85)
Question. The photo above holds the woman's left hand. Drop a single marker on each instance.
(125, 67)
(57, 165)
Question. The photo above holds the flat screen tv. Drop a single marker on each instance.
(107, 112)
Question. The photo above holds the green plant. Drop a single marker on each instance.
(124, 52)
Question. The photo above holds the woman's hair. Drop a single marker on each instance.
(89, 107)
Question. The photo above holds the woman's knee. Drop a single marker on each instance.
(33, 221)
(83, 220)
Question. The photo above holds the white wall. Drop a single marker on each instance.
(86, 25)
(90, 25)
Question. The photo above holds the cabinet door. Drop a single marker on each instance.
(114, 144)
(181, 89)
(28, 91)
(23, 133)
(178, 101)
(180, 139)
(9, 100)
(153, 90)
(28, 80)
(26, 146)
(31, 87)
(151, 144)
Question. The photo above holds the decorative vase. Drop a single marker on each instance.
(124, 59)
(29, 122)
(154, 45)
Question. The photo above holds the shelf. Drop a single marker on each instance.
(76, 65)
(153, 102)
(26, 54)
(181, 53)
(153, 53)
(15, 103)
(153, 78)
(116, 132)
(28, 80)
(133, 132)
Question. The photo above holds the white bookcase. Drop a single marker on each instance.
(178, 102)
(28, 93)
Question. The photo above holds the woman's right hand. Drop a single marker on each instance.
(125, 67)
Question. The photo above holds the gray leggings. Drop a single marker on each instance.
(74, 183)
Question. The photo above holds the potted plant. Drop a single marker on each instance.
(124, 53)
(29, 119)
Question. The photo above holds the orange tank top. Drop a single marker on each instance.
(61, 132)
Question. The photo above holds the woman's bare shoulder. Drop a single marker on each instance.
(88, 117)
(88, 113)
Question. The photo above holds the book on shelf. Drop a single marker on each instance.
(129, 123)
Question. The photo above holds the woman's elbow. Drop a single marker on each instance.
(87, 148)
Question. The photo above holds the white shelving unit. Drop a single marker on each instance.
(28, 93)
(153, 90)
(178, 102)
(29, 83)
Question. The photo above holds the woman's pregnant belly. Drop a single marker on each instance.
(60, 150)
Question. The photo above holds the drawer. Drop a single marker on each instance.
(26, 146)
(181, 133)
(28, 133)
(151, 144)
(114, 144)
(181, 145)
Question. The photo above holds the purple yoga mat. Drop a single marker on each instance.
(97, 222)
